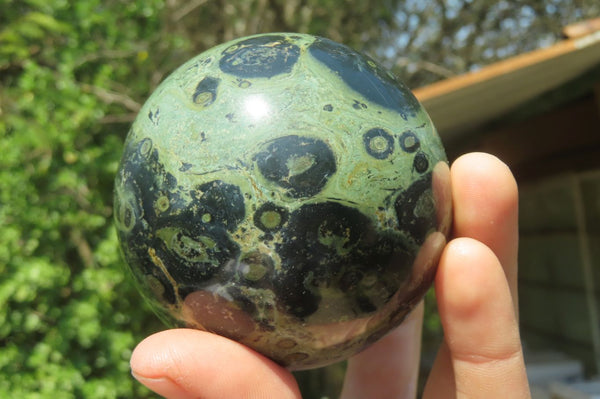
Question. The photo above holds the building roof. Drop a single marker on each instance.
(465, 103)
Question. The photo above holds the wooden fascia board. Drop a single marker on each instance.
(461, 103)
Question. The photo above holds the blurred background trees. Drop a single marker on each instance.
(72, 77)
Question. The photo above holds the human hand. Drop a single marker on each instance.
(476, 288)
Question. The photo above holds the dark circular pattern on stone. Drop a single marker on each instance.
(378, 143)
(125, 214)
(270, 217)
(145, 147)
(145, 176)
(193, 257)
(421, 163)
(317, 243)
(206, 91)
(260, 57)
(256, 269)
(415, 217)
(302, 165)
(219, 203)
(185, 242)
(409, 142)
(332, 245)
(365, 76)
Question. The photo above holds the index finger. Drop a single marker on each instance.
(485, 195)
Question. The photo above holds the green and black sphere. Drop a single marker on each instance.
(286, 192)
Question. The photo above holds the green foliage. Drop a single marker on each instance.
(67, 329)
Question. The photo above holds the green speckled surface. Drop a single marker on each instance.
(286, 192)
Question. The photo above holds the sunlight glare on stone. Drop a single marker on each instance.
(256, 107)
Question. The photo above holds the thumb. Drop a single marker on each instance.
(183, 363)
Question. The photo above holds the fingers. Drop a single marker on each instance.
(388, 368)
(485, 198)
(195, 364)
(483, 348)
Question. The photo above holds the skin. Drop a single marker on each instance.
(476, 289)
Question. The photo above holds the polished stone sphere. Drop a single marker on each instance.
(287, 192)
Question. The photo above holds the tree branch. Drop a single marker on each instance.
(83, 247)
(427, 66)
(111, 97)
(186, 9)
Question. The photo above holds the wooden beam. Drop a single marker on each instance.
(580, 29)
(464, 103)
(447, 86)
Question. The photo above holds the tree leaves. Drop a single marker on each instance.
(432, 40)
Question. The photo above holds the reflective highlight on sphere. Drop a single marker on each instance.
(287, 192)
(256, 107)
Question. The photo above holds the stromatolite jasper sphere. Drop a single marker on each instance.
(286, 192)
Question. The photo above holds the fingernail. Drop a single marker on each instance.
(163, 386)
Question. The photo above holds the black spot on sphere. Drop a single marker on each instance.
(157, 282)
(415, 214)
(365, 76)
(190, 236)
(365, 304)
(206, 91)
(324, 223)
(421, 163)
(214, 203)
(169, 228)
(145, 147)
(127, 217)
(260, 57)
(154, 116)
(409, 142)
(255, 269)
(302, 165)
(296, 298)
(171, 181)
(270, 217)
(359, 106)
(144, 178)
(315, 242)
(333, 246)
(185, 166)
(328, 107)
(218, 203)
(162, 227)
(244, 84)
(378, 143)
(195, 256)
